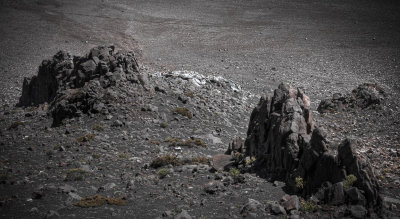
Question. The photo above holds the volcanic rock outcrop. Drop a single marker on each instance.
(76, 85)
(365, 95)
(286, 143)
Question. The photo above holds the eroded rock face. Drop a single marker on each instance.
(77, 85)
(278, 127)
(363, 96)
(282, 137)
(43, 87)
(64, 72)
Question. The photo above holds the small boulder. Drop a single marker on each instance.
(222, 162)
(291, 202)
(251, 206)
(213, 187)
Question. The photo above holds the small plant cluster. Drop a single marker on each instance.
(299, 182)
(85, 138)
(165, 160)
(189, 94)
(76, 174)
(186, 143)
(98, 200)
(164, 125)
(349, 181)
(251, 161)
(235, 174)
(175, 161)
(183, 111)
(308, 206)
(162, 173)
(123, 155)
(98, 127)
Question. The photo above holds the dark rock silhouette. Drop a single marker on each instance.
(286, 144)
(76, 85)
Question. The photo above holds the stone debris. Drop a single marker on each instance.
(363, 96)
(159, 138)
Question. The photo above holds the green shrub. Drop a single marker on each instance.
(98, 127)
(164, 125)
(308, 206)
(123, 155)
(349, 181)
(234, 173)
(299, 182)
(76, 174)
(162, 173)
(251, 161)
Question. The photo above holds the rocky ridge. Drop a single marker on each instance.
(285, 142)
(124, 141)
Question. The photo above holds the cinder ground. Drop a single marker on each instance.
(323, 47)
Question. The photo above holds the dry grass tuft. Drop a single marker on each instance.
(183, 111)
(98, 200)
(85, 138)
(165, 160)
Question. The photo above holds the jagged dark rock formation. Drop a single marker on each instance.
(278, 127)
(76, 85)
(43, 87)
(282, 136)
(365, 95)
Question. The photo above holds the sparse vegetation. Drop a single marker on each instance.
(164, 125)
(98, 200)
(92, 201)
(189, 94)
(76, 174)
(154, 142)
(183, 111)
(123, 155)
(175, 161)
(165, 160)
(85, 138)
(251, 161)
(349, 181)
(98, 127)
(234, 172)
(162, 173)
(96, 156)
(299, 182)
(15, 125)
(200, 160)
(116, 201)
(186, 143)
(308, 206)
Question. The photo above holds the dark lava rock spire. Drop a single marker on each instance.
(64, 72)
(278, 127)
(76, 85)
(286, 144)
